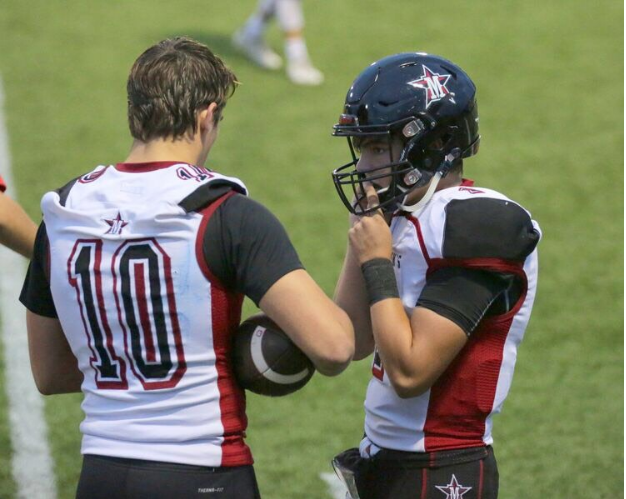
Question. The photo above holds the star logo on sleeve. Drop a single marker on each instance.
(116, 224)
(433, 83)
(454, 490)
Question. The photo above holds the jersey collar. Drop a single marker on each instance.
(147, 167)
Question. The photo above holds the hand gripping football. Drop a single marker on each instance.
(266, 361)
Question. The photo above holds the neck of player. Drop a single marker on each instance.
(192, 147)
(181, 150)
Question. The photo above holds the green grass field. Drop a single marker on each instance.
(550, 90)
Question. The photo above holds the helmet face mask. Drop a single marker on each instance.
(393, 181)
(427, 102)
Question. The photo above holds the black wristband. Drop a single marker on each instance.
(380, 279)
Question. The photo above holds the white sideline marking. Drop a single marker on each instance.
(336, 489)
(31, 463)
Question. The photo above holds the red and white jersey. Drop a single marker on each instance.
(144, 317)
(457, 411)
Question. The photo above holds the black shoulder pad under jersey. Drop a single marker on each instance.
(64, 191)
(488, 228)
(207, 193)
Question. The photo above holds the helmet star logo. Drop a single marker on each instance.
(116, 224)
(454, 490)
(433, 83)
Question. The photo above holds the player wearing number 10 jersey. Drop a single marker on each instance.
(136, 286)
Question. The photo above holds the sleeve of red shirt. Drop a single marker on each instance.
(3, 186)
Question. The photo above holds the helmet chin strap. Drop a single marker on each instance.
(417, 208)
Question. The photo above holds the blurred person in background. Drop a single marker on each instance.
(439, 280)
(249, 39)
(17, 230)
(136, 287)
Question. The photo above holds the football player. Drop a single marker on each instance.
(439, 280)
(17, 230)
(249, 40)
(136, 287)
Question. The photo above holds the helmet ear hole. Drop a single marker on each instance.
(436, 144)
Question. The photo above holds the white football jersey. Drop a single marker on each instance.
(457, 411)
(144, 316)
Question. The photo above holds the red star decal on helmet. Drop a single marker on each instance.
(454, 490)
(433, 83)
(116, 224)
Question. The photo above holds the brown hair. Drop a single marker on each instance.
(169, 83)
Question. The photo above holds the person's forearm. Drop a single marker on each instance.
(351, 296)
(69, 380)
(415, 351)
(53, 364)
(313, 322)
(17, 230)
(394, 342)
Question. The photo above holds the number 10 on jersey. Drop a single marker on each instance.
(145, 305)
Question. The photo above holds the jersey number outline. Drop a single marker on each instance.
(378, 371)
(146, 310)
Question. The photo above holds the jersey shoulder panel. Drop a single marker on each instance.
(487, 227)
(432, 221)
(86, 178)
(64, 191)
(208, 193)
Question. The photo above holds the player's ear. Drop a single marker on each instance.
(206, 117)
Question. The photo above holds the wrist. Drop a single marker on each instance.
(380, 279)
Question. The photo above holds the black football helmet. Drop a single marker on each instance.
(427, 101)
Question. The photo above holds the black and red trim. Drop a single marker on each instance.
(92, 176)
(457, 415)
(225, 318)
(378, 371)
(420, 238)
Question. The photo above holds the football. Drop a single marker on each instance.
(266, 361)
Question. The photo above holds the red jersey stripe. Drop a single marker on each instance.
(457, 415)
(226, 315)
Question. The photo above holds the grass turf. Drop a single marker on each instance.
(550, 80)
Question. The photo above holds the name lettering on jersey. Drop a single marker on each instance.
(454, 490)
(471, 190)
(131, 188)
(116, 224)
(434, 84)
(196, 173)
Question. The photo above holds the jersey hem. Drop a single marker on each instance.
(199, 453)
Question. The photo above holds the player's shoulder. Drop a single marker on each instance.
(212, 191)
(483, 223)
(248, 213)
(212, 186)
(61, 194)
